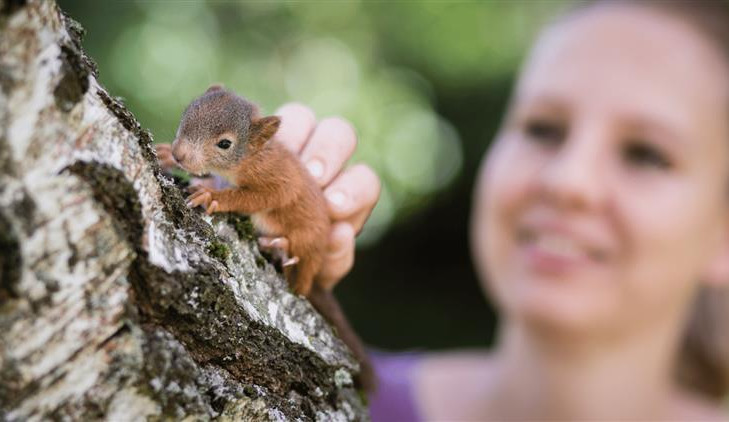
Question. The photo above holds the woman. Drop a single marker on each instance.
(601, 212)
(600, 229)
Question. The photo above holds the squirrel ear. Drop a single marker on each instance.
(263, 129)
(215, 87)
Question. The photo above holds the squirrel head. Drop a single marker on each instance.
(218, 129)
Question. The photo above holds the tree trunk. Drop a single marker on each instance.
(116, 301)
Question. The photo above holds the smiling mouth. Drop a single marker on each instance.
(558, 247)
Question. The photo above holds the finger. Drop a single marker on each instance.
(200, 190)
(339, 258)
(297, 123)
(212, 207)
(203, 198)
(353, 194)
(329, 147)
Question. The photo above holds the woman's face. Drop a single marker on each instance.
(604, 199)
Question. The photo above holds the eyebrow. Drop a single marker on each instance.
(548, 98)
(648, 124)
(542, 100)
(635, 120)
(521, 103)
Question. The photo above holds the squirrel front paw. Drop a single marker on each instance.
(164, 155)
(204, 197)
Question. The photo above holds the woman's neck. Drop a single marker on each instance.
(550, 376)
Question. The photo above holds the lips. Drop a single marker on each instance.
(553, 247)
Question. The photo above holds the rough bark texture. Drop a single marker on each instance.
(116, 301)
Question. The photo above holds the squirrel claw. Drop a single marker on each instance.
(291, 261)
(278, 249)
(270, 243)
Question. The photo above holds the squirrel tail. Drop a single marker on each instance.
(324, 301)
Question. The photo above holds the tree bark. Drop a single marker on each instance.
(116, 301)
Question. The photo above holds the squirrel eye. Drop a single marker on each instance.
(224, 144)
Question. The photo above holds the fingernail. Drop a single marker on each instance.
(337, 198)
(316, 168)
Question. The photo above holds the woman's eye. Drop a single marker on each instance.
(642, 154)
(545, 131)
(224, 144)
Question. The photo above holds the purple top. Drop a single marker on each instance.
(394, 399)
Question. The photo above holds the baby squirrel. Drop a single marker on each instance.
(224, 134)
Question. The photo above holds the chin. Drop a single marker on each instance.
(560, 308)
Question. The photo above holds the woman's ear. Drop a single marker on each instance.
(263, 129)
(717, 271)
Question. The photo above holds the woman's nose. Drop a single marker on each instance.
(572, 177)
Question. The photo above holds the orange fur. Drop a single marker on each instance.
(273, 181)
(272, 186)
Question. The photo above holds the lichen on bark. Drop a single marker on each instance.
(116, 300)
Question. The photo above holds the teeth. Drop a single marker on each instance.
(559, 246)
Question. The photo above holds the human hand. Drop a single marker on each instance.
(351, 193)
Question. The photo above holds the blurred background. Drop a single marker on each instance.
(424, 83)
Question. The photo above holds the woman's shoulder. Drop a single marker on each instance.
(394, 398)
(459, 380)
(417, 386)
(435, 385)
(694, 407)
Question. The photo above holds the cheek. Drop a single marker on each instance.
(508, 186)
(221, 159)
(667, 235)
(662, 235)
(505, 185)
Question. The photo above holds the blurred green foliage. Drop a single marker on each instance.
(372, 63)
(424, 83)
